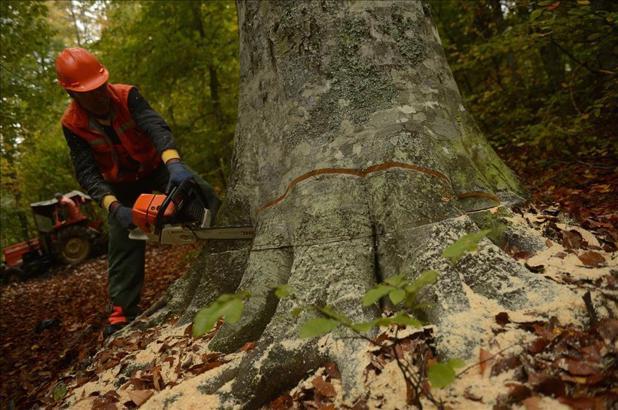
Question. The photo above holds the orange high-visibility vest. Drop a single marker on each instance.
(134, 143)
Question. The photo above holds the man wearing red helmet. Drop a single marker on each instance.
(120, 148)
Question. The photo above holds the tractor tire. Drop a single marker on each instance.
(12, 275)
(73, 245)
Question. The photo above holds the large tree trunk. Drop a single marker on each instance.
(355, 160)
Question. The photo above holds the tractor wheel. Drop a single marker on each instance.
(11, 275)
(73, 245)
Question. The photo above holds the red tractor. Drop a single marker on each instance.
(63, 237)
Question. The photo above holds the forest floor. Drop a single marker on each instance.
(51, 326)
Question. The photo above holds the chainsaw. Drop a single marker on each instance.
(180, 217)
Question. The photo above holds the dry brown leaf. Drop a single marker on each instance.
(322, 387)
(282, 403)
(140, 397)
(157, 379)
(533, 403)
(577, 367)
(538, 345)
(505, 364)
(247, 346)
(485, 360)
(572, 239)
(332, 371)
(592, 258)
(502, 318)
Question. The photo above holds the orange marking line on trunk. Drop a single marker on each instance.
(363, 172)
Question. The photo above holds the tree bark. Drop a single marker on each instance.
(355, 160)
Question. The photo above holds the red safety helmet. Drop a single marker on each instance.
(80, 71)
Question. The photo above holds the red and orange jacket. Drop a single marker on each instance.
(127, 150)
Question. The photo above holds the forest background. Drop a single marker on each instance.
(539, 76)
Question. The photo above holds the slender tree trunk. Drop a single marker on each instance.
(356, 161)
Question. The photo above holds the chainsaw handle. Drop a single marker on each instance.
(174, 196)
(169, 198)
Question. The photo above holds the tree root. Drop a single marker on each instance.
(331, 253)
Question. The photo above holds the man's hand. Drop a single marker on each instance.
(178, 173)
(122, 214)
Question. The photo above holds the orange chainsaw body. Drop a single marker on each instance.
(147, 207)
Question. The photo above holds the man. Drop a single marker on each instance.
(120, 148)
(72, 212)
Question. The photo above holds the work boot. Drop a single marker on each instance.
(117, 320)
(111, 329)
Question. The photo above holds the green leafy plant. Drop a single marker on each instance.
(59, 391)
(227, 306)
(404, 296)
(442, 374)
(463, 245)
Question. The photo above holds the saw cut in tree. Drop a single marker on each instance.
(355, 161)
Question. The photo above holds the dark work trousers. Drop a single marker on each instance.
(126, 256)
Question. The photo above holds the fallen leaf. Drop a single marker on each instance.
(139, 397)
(282, 402)
(157, 379)
(548, 385)
(332, 371)
(572, 239)
(577, 367)
(505, 364)
(535, 268)
(247, 346)
(502, 318)
(532, 403)
(608, 329)
(204, 367)
(593, 259)
(583, 403)
(553, 6)
(538, 345)
(106, 401)
(322, 387)
(518, 392)
(485, 359)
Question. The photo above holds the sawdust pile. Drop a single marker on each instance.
(558, 355)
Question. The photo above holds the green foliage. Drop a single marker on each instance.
(399, 289)
(59, 391)
(317, 327)
(463, 245)
(31, 102)
(227, 306)
(441, 375)
(283, 291)
(375, 294)
(538, 75)
(195, 87)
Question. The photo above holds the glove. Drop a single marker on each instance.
(178, 173)
(122, 214)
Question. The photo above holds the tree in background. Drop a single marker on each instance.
(184, 57)
(34, 162)
(540, 76)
